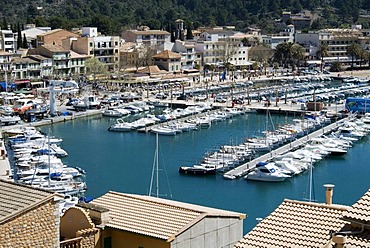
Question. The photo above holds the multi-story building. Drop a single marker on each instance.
(152, 38)
(31, 34)
(218, 51)
(66, 63)
(285, 36)
(187, 52)
(129, 55)
(25, 68)
(54, 37)
(46, 65)
(5, 65)
(300, 21)
(8, 43)
(337, 41)
(104, 48)
(168, 60)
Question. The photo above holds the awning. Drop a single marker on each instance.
(37, 83)
(21, 81)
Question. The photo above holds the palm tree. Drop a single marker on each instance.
(364, 56)
(322, 52)
(284, 52)
(298, 54)
(353, 50)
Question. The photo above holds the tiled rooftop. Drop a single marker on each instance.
(154, 217)
(55, 48)
(360, 211)
(149, 32)
(15, 198)
(167, 54)
(296, 224)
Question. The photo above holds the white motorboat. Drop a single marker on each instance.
(112, 113)
(267, 172)
(121, 127)
(8, 119)
(164, 130)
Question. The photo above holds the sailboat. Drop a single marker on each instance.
(155, 173)
(311, 186)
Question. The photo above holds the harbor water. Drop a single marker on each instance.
(124, 161)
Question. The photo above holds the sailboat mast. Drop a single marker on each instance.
(49, 158)
(156, 157)
(310, 197)
(155, 168)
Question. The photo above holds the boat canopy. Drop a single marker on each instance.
(261, 164)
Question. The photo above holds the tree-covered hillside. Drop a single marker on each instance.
(111, 16)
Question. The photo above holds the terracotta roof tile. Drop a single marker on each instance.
(55, 48)
(167, 54)
(152, 216)
(360, 210)
(296, 224)
(15, 198)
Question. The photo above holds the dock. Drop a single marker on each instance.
(245, 168)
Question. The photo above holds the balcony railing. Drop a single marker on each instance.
(71, 243)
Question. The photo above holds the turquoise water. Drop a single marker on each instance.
(123, 162)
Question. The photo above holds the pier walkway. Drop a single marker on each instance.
(249, 166)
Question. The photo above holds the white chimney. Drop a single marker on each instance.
(339, 240)
(329, 193)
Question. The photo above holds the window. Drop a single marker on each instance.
(90, 44)
(108, 242)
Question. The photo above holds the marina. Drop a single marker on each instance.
(123, 158)
(130, 155)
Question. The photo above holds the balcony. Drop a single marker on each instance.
(71, 243)
(60, 57)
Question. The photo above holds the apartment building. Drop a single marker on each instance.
(8, 43)
(287, 35)
(337, 41)
(25, 68)
(168, 60)
(54, 37)
(187, 52)
(66, 63)
(152, 38)
(31, 34)
(5, 65)
(104, 48)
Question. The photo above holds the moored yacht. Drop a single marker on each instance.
(267, 172)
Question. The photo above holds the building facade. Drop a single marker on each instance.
(104, 48)
(30, 217)
(8, 43)
(152, 38)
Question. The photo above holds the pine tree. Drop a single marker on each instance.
(19, 38)
(189, 32)
(5, 24)
(25, 43)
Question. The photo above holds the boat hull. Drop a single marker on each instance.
(197, 171)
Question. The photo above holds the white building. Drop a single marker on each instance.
(152, 38)
(8, 43)
(187, 52)
(273, 40)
